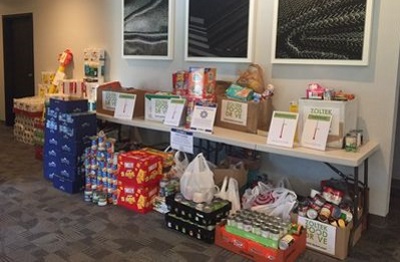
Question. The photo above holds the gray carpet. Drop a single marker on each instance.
(40, 223)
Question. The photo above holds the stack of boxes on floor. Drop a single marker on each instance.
(28, 110)
(139, 174)
(68, 129)
(101, 171)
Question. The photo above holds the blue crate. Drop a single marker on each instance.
(67, 185)
(71, 173)
(69, 106)
(52, 138)
(69, 146)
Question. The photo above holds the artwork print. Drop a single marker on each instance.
(147, 29)
(322, 31)
(219, 30)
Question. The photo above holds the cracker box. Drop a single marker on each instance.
(107, 94)
(243, 116)
(137, 198)
(168, 157)
(202, 82)
(344, 117)
(139, 168)
(156, 106)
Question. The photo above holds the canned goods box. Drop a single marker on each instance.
(256, 251)
(198, 213)
(184, 226)
(248, 116)
(328, 239)
(344, 117)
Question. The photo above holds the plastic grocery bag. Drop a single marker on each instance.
(198, 181)
(180, 165)
(230, 191)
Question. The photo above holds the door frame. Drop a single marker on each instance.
(8, 62)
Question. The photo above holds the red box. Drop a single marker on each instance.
(139, 168)
(202, 83)
(257, 252)
(137, 198)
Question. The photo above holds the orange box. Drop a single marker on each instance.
(137, 198)
(258, 252)
(139, 168)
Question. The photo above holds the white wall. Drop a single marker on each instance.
(78, 24)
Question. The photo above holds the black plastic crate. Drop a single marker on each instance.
(189, 210)
(203, 233)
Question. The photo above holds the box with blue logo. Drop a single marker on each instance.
(79, 125)
(68, 104)
(51, 165)
(67, 185)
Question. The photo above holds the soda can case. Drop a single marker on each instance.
(67, 185)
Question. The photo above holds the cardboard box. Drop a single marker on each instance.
(156, 106)
(237, 172)
(256, 251)
(247, 116)
(328, 239)
(344, 117)
(139, 168)
(107, 98)
(137, 198)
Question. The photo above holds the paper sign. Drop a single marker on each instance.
(315, 131)
(182, 140)
(234, 112)
(203, 118)
(174, 113)
(282, 128)
(125, 106)
(320, 236)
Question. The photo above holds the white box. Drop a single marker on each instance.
(156, 106)
(344, 117)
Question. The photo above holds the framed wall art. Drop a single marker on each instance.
(322, 32)
(219, 30)
(147, 29)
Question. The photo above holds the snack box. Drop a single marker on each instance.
(139, 168)
(168, 157)
(202, 83)
(137, 198)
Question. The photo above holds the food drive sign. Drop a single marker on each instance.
(320, 236)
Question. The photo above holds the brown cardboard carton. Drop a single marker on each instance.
(247, 116)
(106, 98)
(327, 239)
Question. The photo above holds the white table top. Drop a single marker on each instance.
(258, 142)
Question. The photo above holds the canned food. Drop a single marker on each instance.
(312, 213)
(319, 200)
(239, 223)
(285, 242)
(247, 226)
(274, 234)
(265, 232)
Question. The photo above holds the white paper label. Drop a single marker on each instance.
(234, 112)
(320, 236)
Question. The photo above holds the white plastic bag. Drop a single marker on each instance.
(180, 165)
(197, 182)
(230, 191)
(284, 202)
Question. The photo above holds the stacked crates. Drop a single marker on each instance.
(68, 129)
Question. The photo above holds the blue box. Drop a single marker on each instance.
(51, 113)
(68, 106)
(71, 173)
(67, 185)
(51, 166)
(80, 125)
(69, 146)
(52, 138)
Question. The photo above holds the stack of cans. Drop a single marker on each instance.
(101, 171)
